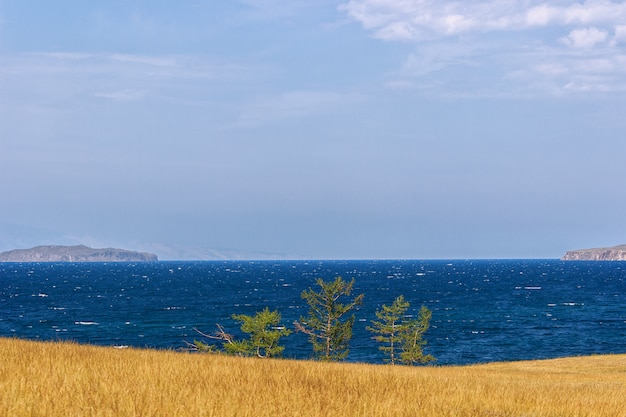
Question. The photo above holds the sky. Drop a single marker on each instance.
(314, 129)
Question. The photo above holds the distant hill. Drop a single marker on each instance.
(79, 253)
(615, 253)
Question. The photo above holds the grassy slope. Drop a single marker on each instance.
(64, 379)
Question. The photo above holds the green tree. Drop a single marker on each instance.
(388, 328)
(327, 325)
(413, 341)
(402, 339)
(264, 332)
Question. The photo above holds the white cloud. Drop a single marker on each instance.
(426, 19)
(541, 15)
(562, 74)
(585, 38)
(490, 47)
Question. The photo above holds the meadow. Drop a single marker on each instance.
(67, 379)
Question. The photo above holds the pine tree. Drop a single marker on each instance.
(400, 335)
(265, 332)
(326, 324)
(413, 341)
(389, 328)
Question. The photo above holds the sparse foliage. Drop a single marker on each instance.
(327, 325)
(205, 347)
(401, 335)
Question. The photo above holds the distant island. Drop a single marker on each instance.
(615, 253)
(79, 253)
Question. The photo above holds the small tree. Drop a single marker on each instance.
(389, 329)
(265, 332)
(413, 341)
(401, 335)
(327, 326)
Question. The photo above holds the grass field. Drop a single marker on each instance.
(66, 379)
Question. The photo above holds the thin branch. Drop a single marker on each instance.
(220, 334)
(300, 328)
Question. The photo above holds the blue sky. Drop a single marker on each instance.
(314, 129)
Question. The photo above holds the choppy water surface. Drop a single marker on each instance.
(486, 310)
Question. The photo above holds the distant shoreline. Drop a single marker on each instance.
(78, 253)
(614, 253)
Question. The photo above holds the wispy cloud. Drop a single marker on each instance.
(276, 9)
(291, 105)
(427, 19)
(561, 43)
(62, 76)
(168, 66)
(122, 95)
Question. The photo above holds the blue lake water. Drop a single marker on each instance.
(483, 310)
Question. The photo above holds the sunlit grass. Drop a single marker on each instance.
(66, 379)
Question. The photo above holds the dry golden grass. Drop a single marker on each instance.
(65, 379)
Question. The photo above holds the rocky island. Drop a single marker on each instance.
(615, 253)
(79, 253)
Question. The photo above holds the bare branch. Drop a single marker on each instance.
(300, 328)
(220, 334)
